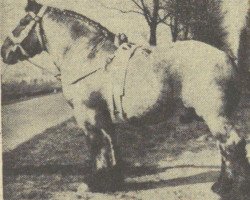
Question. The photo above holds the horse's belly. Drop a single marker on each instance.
(142, 91)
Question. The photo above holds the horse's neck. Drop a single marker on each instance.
(57, 38)
(61, 38)
(76, 57)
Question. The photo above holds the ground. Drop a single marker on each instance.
(23, 120)
(164, 161)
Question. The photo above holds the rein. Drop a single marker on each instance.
(119, 40)
(85, 76)
(57, 76)
(108, 62)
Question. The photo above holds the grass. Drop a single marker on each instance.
(57, 160)
(18, 91)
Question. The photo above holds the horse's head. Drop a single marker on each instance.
(27, 39)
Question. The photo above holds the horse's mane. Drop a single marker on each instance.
(78, 16)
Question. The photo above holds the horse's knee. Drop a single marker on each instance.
(99, 134)
(106, 173)
(106, 156)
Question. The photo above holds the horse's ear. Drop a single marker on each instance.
(31, 1)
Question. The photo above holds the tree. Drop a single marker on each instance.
(244, 54)
(207, 23)
(150, 11)
(180, 16)
(196, 19)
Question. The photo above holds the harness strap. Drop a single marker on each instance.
(85, 76)
(125, 46)
(42, 11)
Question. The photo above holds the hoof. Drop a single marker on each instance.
(222, 187)
(243, 187)
(106, 180)
(240, 187)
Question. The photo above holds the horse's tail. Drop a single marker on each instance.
(241, 74)
(244, 56)
(232, 88)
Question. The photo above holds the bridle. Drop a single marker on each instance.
(34, 23)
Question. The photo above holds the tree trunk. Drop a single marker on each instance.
(174, 30)
(154, 23)
(174, 36)
(186, 31)
(152, 40)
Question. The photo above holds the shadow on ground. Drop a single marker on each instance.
(58, 159)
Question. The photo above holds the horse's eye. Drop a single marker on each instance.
(24, 22)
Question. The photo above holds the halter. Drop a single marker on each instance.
(36, 18)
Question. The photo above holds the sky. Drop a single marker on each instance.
(132, 24)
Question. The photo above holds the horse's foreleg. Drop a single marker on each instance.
(105, 160)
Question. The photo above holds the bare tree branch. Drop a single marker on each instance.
(128, 11)
(137, 4)
(166, 23)
(150, 13)
(146, 11)
(145, 8)
(122, 11)
(162, 20)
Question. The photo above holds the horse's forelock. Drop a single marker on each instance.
(33, 6)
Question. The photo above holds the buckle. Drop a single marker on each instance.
(37, 19)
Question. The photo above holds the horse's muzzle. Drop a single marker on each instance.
(11, 57)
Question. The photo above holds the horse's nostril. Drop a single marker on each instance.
(3, 52)
(4, 57)
(8, 56)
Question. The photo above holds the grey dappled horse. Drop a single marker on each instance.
(91, 67)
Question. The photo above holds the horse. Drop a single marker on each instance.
(107, 84)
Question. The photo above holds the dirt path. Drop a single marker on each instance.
(22, 121)
(160, 165)
(167, 161)
(186, 177)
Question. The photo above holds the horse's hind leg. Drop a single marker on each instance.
(95, 120)
(235, 170)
